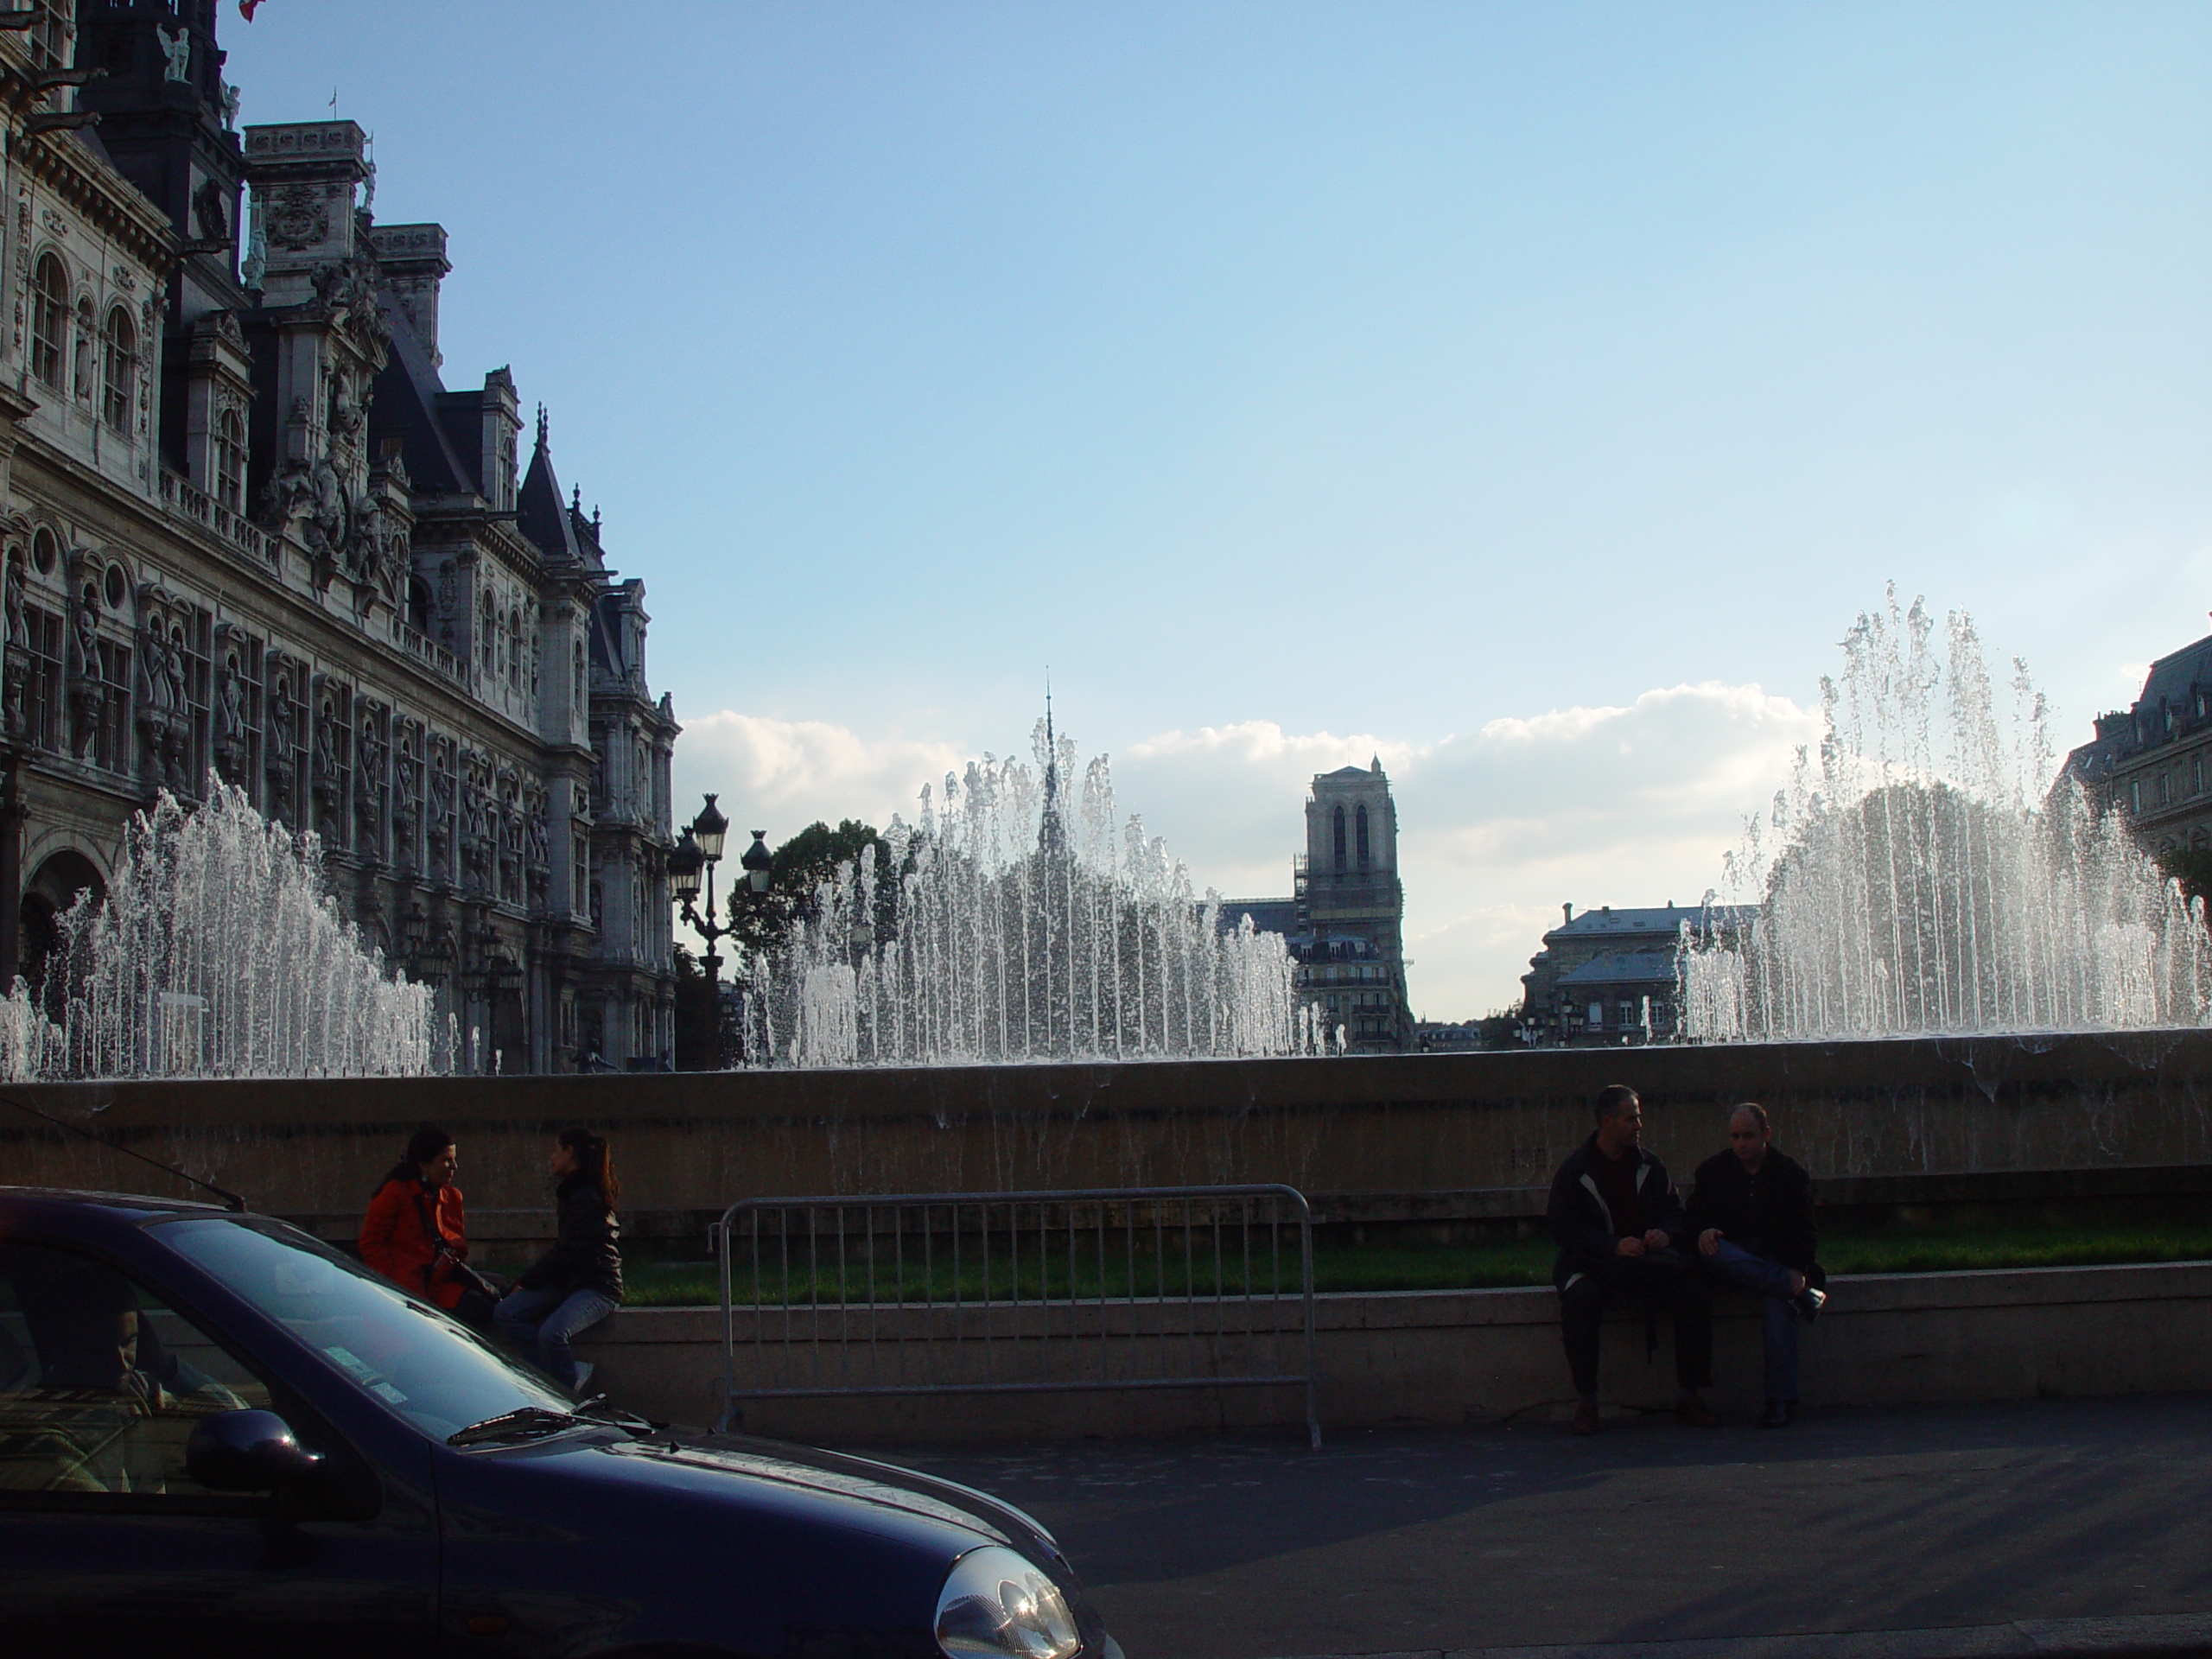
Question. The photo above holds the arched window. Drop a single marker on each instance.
(119, 362)
(487, 628)
(418, 604)
(49, 319)
(1340, 838)
(1364, 859)
(83, 381)
(581, 684)
(230, 460)
(514, 651)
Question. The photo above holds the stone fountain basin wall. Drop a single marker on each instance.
(1418, 1123)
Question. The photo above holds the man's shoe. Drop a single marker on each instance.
(584, 1368)
(1693, 1412)
(1779, 1413)
(1586, 1419)
(1810, 1302)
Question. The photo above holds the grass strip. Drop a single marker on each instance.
(1383, 1267)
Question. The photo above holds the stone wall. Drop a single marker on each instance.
(1481, 1356)
(1395, 1124)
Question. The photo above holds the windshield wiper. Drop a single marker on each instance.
(514, 1425)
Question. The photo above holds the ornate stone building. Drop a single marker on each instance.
(2153, 760)
(249, 531)
(1344, 920)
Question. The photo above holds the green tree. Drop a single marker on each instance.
(798, 869)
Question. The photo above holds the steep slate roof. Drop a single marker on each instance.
(1664, 918)
(1268, 915)
(2171, 677)
(406, 406)
(1622, 968)
(546, 518)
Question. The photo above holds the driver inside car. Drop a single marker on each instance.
(112, 1408)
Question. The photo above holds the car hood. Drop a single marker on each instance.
(812, 1468)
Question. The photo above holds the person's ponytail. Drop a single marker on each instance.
(595, 1162)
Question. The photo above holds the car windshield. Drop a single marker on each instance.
(434, 1372)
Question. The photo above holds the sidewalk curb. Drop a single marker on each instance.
(2151, 1636)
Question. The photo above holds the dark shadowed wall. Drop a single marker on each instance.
(1389, 1124)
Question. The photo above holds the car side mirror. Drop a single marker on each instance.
(247, 1451)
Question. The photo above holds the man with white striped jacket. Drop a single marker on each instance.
(1623, 1238)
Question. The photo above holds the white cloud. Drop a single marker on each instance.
(1497, 827)
(789, 774)
(1607, 805)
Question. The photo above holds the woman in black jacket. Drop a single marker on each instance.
(578, 1281)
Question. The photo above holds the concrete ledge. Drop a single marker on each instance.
(1478, 1356)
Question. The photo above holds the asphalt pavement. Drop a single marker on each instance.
(2052, 1525)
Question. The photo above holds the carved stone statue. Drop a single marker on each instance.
(231, 98)
(87, 688)
(16, 675)
(172, 679)
(537, 847)
(282, 768)
(230, 722)
(440, 805)
(210, 212)
(229, 703)
(287, 495)
(253, 269)
(177, 49)
(153, 674)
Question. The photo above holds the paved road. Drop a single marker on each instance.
(1412, 1540)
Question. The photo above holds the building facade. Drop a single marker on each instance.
(1608, 977)
(2153, 760)
(1344, 920)
(249, 533)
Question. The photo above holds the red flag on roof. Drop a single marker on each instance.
(247, 8)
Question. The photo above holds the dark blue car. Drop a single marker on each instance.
(219, 1436)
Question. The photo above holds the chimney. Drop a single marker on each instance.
(413, 260)
(1569, 910)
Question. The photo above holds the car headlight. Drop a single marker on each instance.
(996, 1605)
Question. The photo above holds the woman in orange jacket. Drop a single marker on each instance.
(414, 1233)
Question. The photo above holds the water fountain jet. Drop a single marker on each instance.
(1930, 878)
(1005, 927)
(219, 952)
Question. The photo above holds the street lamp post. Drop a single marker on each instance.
(695, 859)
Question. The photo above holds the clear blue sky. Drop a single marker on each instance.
(1366, 375)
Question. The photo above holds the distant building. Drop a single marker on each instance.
(1441, 1037)
(1607, 977)
(1345, 918)
(2153, 760)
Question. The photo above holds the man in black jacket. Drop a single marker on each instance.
(1621, 1237)
(1752, 1212)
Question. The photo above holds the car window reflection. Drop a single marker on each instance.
(433, 1372)
(101, 1384)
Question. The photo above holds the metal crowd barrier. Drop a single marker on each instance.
(1017, 1293)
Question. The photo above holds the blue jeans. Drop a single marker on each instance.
(1732, 1265)
(541, 1322)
